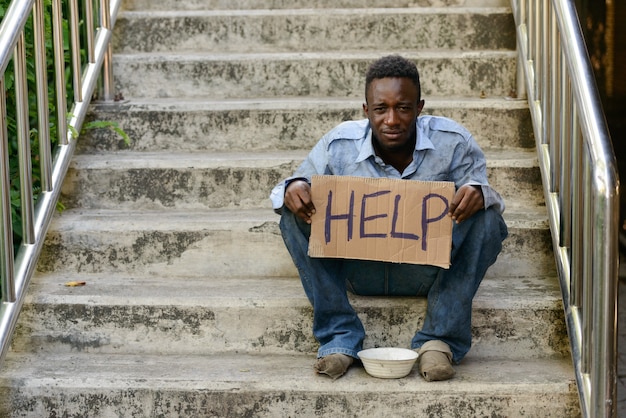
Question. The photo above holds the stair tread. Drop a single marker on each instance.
(238, 371)
(344, 55)
(257, 292)
(199, 5)
(505, 157)
(279, 103)
(516, 215)
(375, 11)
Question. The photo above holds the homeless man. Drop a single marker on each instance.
(395, 142)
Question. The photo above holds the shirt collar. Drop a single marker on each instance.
(367, 149)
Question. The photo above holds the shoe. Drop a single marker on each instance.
(334, 365)
(435, 361)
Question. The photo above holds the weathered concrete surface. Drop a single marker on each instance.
(315, 30)
(336, 74)
(283, 124)
(191, 305)
(300, 4)
(240, 385)
(139, 314)
(222, 179)
(230, 243)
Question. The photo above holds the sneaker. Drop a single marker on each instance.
(333, 365)
(435, 361)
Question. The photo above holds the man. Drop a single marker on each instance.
(394, 142)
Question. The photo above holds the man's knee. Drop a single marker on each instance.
(487, 223)
(494, 224)
(483, 233)
(290, 222)
(295, 233)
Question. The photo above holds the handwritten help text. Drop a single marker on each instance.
(364, 219)
(401, 221)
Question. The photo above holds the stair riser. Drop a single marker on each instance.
(225, 187)
(142, 402)
(219, 252)
(171, 188)
(472, 75)
(297, 4)
(277, 129)
(322, 31)
(283, 329)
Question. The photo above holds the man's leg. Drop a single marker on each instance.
(335, 323)
(476, 244)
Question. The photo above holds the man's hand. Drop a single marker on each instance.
(298, 200)
(467, 201)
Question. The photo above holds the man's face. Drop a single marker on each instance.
(392, 106)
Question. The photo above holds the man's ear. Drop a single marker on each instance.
(420, 106)
(365, 108)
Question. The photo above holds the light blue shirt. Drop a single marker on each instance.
(444, 151)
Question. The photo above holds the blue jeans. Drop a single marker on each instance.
(476, 244)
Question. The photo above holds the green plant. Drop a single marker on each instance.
(103, 124)
(12, 129)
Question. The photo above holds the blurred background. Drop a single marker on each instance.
(604, 25)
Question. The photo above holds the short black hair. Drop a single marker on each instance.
(393, 66)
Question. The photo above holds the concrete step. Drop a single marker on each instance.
(232, 243)
(304, 30)
(241, 385)
(326, 74)
(155, 180)
(299, 4)
(282, 124)
(143, 314)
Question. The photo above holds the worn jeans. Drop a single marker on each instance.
(476, 243)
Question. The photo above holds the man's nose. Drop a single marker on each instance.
(391, 118)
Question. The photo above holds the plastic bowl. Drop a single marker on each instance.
(388, 362)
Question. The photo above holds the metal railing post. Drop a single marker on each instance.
(6, 235)
(23, 143)
(43, 130)
(581, 188)
(17, 269)
(107, 66)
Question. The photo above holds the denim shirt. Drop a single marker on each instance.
(444, 151)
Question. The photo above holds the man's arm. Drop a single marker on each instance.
(470, 175)
(297, 186)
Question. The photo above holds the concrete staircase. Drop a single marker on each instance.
(192, 306)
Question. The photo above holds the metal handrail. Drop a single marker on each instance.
(581, 188)
(17, 269)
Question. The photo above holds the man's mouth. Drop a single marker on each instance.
(392, 134)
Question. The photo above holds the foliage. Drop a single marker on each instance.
(12, 128)
(103, 124)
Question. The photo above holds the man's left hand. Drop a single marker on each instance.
(467, 201)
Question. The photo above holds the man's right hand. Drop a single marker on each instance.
(298, 200)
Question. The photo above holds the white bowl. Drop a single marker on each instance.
(388, 362)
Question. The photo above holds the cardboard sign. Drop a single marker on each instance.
(400, 221)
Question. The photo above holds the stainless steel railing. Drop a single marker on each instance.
(16, 269)
(581, 188)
